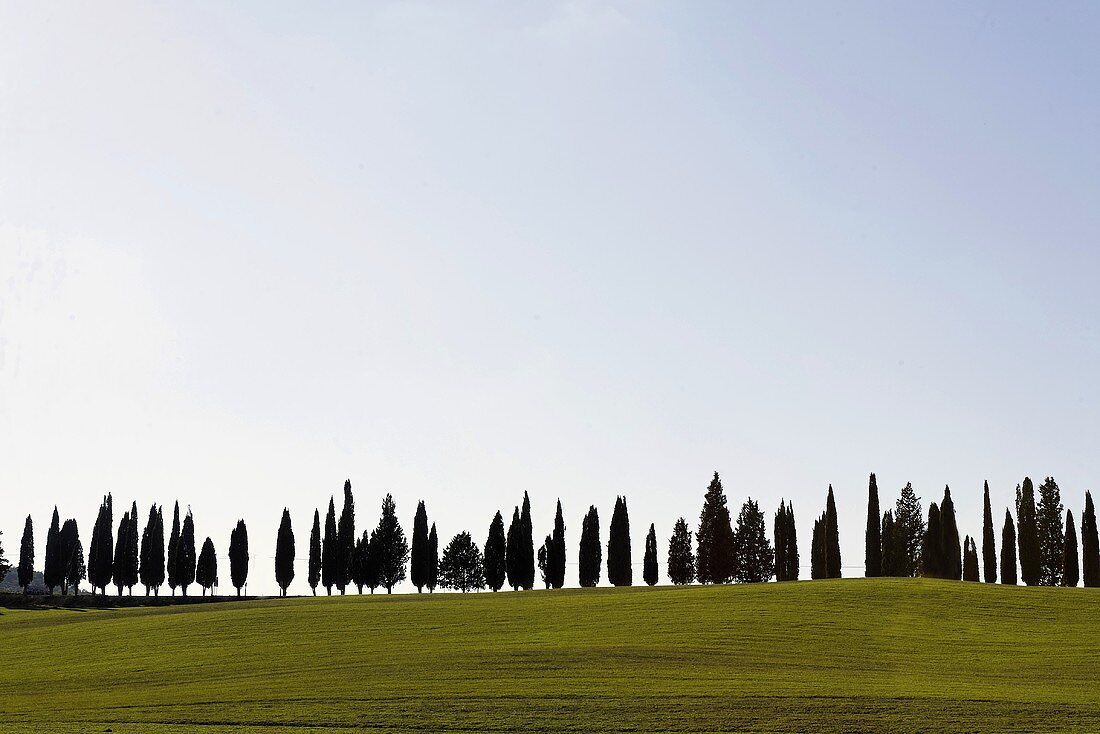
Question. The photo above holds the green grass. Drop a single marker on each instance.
(852, 655)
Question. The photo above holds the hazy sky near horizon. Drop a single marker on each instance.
(457, 251)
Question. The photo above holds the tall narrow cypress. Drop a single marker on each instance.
(1052, 537)
(873, 554)
(418, 563)
(512, 561)
(932, 561)
(832, 538)
(649, 561)
(714, 561)
(619, 571)
(173, 550)
(100, 552)
(187, 557)
(527, 545)
(818, 553)
(790, 539)
(314, 571)
(892, 550)
(1008, 551)
(122, 543)
(206, 569)
(1071, 571)
(72, 557)
(590, 555)
(238, 556)
(989, 547)
(132, 548)
(328, 549)
(779, 529)
(545, 554)
(495, 554)
(53, 573)
(1090, 545)
(951, 553)
(558, 560)
(345, 540)
(1028, 533)
(151, 571)
(970, 560)
(681, 557)
(26, 556)
(284, 553)
(362, 561)
(433, 560)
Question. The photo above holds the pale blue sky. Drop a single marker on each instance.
(456, 251)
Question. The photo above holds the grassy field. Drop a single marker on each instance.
(851, 655)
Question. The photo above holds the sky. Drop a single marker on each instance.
(459, 251)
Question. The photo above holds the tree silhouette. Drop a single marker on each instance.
(418, 564)
(53, 572)
(681, 558)
(872, 560)
(362, 561)
(101, 551)
(495, 554)
(832, 538)
(1090, 545)
(786, 543)
(26, 556)
(206, 570)
(461, 567)
(372, 577)
(545, 554)
(392, 552)
(71, 556)
(590, 555)
(526, 559)
(909, 526)
(951, 553)
(557, 579)
(284, 553)
(754, 553)
(345, 540)
(818, 566)
(1028, 533)
(151, 571)
(1071, 571)
(174, 550)
(238, 556)
(121, 571)
(892, 550)
(619, 570)
(970, 560)
(933, 564)
(328, 549)
(714, 561)
(433, 560)
(512, 556)
(314, 573)
(186, 561)
(1008, 551)
(1052, 538)
(649, 561)
(5, 565)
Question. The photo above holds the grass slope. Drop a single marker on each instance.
(851, 655)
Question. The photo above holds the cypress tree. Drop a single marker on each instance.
(970, 560)
(545, 554)
(100, 553)
(122, 544)
(418, 564)
(26, 556)
(989, 548)
(590, 555)
(373, 573)
(932, 561)
(790, 539)
(314, 573)
(558, 560)
(755, 555)
(891, 549)
(328, 549)
(68, 545)
(392, 552)
(284, 553)
(345, 540)
(619, 571)
(832, 538)
(151, 569)
(362, 559)
(1071, 571)
(1028, 533)
(433, 560)
(515, 533)
(951, 553)
(206, 570)
(1008, 551)
(53, 572)
(649, 561)
(818, 567)
(1052, 538)
(909, 525)
(1090, 545)
(495, 554)
(132, 544)
(186, 561)
(174, 550)
(779, 530)
(527, 545)
(873, 555)
(238, 556)
(714, 561)
(681, 558)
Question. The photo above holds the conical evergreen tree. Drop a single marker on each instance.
(345, 540)
(590, 555)
(951, 553)
(151, 571)
(790, 539)
(970, 560)
(314, 573)
(527, 545)
(933, 564)
(873, 556)
(495, 554)
(122, 543)
(1071, 571)
(818, 567)
(1028, 533)
(755, 555)
(187, 559)
(557, 580)
(53, 572)
(362, 560)
(832, 538)
(206, 569)
(73, 554)
(328, 549)
(1090, 545)
(681, 558)
(909, 526)
(619, 571)
(418, 564)
(26, 556)
(779, 530)
(1052, 538)
(172, 568)
(714, 561)
(544, 556)
(989, 547)
(892, 551)
(649, 560)
(512, 557)
(433, 560)
(1008, 551)
(284, 553)
(101, 550)
(390, 548)
(132, 546)
(373, 575)
(238, 556)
